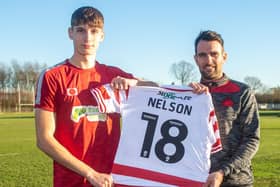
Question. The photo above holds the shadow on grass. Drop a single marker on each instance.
(270, 113)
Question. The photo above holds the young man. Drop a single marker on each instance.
(69, 128)
(237, 114)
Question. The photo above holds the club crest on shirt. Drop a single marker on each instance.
(72, 91)
(227, 102)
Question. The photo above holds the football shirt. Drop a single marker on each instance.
(167, 135)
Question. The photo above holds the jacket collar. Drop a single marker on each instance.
(215, 83)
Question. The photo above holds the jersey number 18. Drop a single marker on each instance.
(167, 138)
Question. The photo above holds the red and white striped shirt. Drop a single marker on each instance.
(167, 135)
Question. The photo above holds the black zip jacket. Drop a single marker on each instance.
(237, 113)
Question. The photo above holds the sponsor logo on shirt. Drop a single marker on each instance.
(90, 112)
(172, 95)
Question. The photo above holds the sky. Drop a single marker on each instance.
(145, 37)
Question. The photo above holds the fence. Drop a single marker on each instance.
(269, 106)
(17, 99)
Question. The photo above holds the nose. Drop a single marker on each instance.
(208, 59)
(87, 36)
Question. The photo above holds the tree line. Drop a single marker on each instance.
(185, 72)
(25, 75)
(15, 74)
(17, 85)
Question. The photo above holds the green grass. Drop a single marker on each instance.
(266, 163)
(22, 164)
(270, 113)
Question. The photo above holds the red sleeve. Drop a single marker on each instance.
(45, 92)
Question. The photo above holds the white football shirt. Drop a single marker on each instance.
(167, 135)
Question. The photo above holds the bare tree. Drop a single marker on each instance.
(271, 96)
(3, 75)
(26, 75)
(183, 71)
(31, 71)
(276, 94)
(254, 82)
(18, 74)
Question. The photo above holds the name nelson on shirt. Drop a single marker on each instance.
(170, 106)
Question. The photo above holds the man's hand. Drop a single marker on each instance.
(100, 179)
(214, 179)
(198, 88)
(123, 83)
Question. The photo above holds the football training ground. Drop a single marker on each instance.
(22, 164)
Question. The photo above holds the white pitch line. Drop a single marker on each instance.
(9, 154)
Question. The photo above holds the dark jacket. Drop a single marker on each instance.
(237, 113)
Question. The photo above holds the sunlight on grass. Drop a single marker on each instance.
(22, 164)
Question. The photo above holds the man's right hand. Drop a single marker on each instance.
(123, 83)
(198, 88)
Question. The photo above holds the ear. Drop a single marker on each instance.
(195, 58)
(70, 33)
(102, 36)
(225, 55)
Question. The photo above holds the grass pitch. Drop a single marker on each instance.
(266, 163)
(22, 164)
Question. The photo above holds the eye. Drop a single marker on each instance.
(79, 29)
(214, 54)
(95, 31)
(201, 55)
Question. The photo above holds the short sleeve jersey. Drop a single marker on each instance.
(167, 135)
(86, 133)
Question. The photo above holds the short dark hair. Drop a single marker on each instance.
(208, 36)
(87, 15)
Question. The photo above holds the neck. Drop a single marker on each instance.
(215, 82)
(214, 79)
(83, 62)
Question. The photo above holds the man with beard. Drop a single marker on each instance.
(237, 113)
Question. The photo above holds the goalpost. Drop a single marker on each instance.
(19, 99)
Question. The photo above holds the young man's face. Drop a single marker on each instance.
(210, 58)
(86, 39)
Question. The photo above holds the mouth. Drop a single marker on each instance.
(209, 68)
(87, 46)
